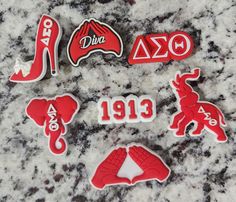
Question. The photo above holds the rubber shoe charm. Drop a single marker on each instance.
(90, 37)
(131, 109)
(129, 167)
(204, 114)
(46, 43)
(161, 48)
(53, 115)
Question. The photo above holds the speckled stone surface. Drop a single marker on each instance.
(202, 169)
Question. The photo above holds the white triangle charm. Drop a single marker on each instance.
(141, 44)
(129, 169)
(201, 110)
(45, 41)
(51, 109)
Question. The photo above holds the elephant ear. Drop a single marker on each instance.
(36, 110)
(67, 107)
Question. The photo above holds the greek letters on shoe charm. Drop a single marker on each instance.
(130, 165)
(90, 37)
(205, 115)
(53, 114)
(161, 48)
(46, 43)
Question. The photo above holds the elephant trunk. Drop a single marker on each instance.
(57, 143)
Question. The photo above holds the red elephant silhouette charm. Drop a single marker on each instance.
(53, 115)
(206, 115)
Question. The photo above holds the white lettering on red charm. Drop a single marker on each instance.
(126, 110)
(128, 166)
(90, 37)
(204, 114)
(53, 114)
(47, 31)
(46, 43)
(91, 41)
(161, 48)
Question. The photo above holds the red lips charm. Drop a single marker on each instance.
(90, 37)
(53, 115)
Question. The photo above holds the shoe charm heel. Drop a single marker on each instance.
(47, 40)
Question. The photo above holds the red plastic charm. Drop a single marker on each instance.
(131, 109)
(129, 166)
(53, 115)
(90, 37)
(161, 48)
(46, 43)
(204, 114)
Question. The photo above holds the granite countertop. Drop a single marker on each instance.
(202, 169)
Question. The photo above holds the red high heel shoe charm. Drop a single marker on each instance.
(204, 114)
(53, 115)
(47, 40)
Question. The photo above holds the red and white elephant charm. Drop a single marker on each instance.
(53, 115)
(191, 109)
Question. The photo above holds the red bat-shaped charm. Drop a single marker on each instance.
(191, 109)
(53, 115)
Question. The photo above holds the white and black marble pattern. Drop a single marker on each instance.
(202, 169)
